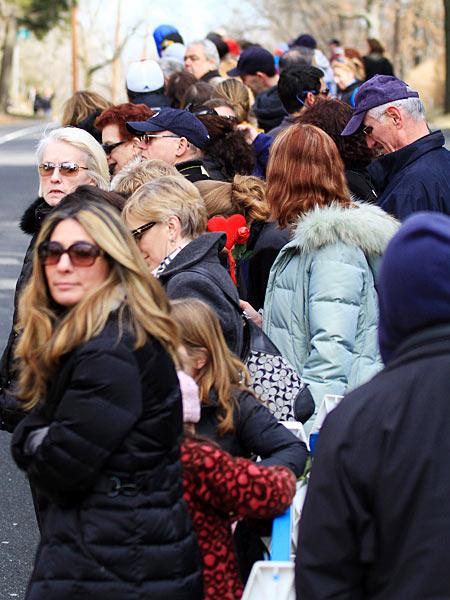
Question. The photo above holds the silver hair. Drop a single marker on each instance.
(169, 66)
(210, 50)
(413, 106)
(84, 141)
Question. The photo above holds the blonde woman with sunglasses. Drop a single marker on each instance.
(67, 158)
(102, 438)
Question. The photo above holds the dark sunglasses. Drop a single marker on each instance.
(367, 130)
(69, 169)
(148, 137)
(139, 232)
(81, 254)
(108, 148)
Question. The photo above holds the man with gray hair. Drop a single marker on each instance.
(412, 171)
(202, 60)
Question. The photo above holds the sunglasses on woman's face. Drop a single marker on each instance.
(108, 148)
(81, 254)
(139, 232)
(69, 169)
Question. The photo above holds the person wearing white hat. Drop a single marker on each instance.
(145, 84)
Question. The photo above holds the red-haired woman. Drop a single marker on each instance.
(321, 306)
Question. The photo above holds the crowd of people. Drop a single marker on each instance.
(235, 188)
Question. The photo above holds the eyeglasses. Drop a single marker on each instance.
(69, 169)
(139, 232)
(367, 130)
(323, 93)
(147, 137)
(108, 148)
(81, 254)
(199, 111)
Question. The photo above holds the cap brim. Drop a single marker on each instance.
(234, 72)
(143, 126)
(354, 124)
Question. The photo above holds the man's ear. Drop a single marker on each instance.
(310, 98)
(396, 115)
(182, 146)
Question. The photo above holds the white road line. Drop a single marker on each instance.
(7, 284)
(22, 132)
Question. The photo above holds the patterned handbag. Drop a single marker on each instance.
(273, 379)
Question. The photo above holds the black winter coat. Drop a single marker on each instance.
(376, 521)
(10, 412)
(181, 280)
(256, 433)
(117, 526)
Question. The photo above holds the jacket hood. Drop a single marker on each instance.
(414, 282)
(383, 169)
(32, 218)
(207, 246)
(364, 225)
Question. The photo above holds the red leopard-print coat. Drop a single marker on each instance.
(219, 490)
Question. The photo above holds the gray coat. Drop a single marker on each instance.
(182, 280)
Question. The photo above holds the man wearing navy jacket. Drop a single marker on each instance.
(412, 172)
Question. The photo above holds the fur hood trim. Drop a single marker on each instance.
(32, 218)
(365, 225)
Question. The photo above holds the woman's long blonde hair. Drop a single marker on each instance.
(47, 333)
(201, 335)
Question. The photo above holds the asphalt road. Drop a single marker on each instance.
(19, 185)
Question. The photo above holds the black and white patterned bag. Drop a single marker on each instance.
(274, 379)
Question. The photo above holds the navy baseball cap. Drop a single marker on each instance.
(379, 90)
(252, 60)
(180, 122)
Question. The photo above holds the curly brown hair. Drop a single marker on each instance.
(227, 146)
(332, 116)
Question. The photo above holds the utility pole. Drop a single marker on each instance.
(74, 30)
(116, 61)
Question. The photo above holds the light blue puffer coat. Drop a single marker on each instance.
(321, 306)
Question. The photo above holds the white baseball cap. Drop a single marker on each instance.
(144, 76)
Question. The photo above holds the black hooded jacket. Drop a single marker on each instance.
(30, 223)
(183, 279)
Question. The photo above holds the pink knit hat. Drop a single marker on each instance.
(190, 398)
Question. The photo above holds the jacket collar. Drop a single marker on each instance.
(433, 340)
(384, 169)
(205, 247)
(32, 218)
(191, 167)
(364, 225)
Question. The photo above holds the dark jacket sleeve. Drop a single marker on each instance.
(261, 146)
(260, 433)
(337, 537)
(100, 405)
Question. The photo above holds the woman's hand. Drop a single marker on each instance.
(250, 132)
(251, 313)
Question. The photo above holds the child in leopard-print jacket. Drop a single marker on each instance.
(221, 489)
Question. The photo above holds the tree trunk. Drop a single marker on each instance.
(447, 56)
(7, 62)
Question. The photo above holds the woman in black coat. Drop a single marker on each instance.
(102, 439)
(78, 160)
(168, 221)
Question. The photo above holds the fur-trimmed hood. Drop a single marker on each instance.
(363, 225)
(32, 218)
